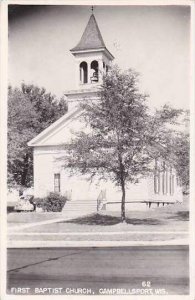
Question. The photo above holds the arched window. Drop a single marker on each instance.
(94, 71)
(83, 72)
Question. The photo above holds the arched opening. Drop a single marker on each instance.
(83, 72)
(94, 71)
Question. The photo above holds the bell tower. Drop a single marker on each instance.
(91, 56)
(92, 60)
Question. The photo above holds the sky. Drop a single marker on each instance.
(153, 40)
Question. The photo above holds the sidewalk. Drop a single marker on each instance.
(58, 244)
(166, 225)
(97, 239)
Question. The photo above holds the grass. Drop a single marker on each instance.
(109, 220)
(16, 218)
(172, 218)
(146, 221)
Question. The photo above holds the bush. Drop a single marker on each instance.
(53, 202)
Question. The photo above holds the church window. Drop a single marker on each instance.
(57, 182)
(164, 179)
(94, 71)
(156, 179)
(171, 183)
(157, 182)
(167, 180)
(83, 72)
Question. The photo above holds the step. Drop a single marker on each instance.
(80, 209)
(81, 204)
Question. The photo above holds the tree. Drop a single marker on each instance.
(30, 110)
(181, 148)
(121, 132)
(176, 142)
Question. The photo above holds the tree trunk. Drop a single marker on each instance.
(122, 180)
(25, 171)
(123, 220)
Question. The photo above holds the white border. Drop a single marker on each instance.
(192, 156)
(3, 138)
(3, 121)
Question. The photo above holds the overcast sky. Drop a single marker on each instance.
(155, 41)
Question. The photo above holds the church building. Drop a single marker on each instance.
(92, 60)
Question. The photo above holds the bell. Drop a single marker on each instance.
(94, 78)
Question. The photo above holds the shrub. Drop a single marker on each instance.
(53, 202)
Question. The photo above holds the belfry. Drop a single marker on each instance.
(92, 60)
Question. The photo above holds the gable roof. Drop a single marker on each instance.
(91, 38)
(57, 126)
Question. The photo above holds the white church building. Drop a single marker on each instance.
(92, 59)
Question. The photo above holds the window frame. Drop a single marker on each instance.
(57, 183)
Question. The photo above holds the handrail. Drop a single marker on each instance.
(101, 200)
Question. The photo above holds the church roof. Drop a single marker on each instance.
(44, 138)
(91, 38)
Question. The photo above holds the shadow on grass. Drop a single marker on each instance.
(106, 220)
(180, 216)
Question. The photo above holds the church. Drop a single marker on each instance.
(92, 60)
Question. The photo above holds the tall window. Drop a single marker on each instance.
(157, 183)
(164, 179)
(156, 179)
(167, 180)
(171, 183)
(83, 72)
(57, 182)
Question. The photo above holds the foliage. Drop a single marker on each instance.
(121, 133)
(53, 202)
(182, 162)
(179, 148)
(30, 110)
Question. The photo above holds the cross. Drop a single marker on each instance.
(92, 9)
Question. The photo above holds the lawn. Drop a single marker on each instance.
(20, 218)
(173, 218)
(166, 223)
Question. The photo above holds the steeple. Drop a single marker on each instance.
(92, 56)
(91, 38)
